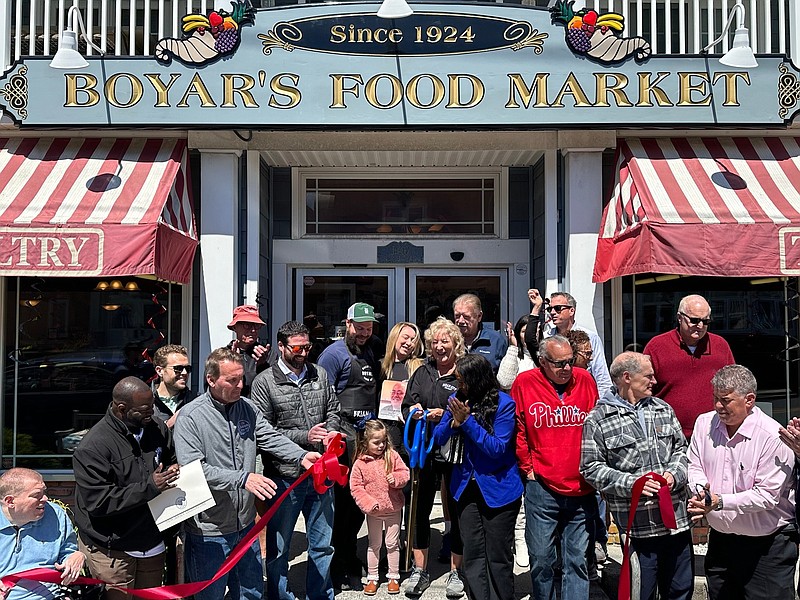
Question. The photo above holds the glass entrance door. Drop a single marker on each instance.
(432, 291)
(322, 297)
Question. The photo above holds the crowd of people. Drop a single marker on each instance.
(531, 439)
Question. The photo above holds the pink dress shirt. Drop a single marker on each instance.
(751, 470)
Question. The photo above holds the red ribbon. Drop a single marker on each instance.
(325, 472)
(667, 517)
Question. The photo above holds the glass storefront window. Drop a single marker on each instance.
(754, 315)
(393, 204)
(67, 342)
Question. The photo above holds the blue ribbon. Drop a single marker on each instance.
(417, 451)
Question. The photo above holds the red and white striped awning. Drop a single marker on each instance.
(703, 206)
(100, 206)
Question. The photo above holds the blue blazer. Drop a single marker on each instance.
(490, 459)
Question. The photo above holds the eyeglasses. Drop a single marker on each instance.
(703, 492)
(298, 348)
(560, 364)
(179, 369)
(559, 307)
(695, 320)
(250, 326)
(587, 355)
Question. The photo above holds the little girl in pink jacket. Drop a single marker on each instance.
(376, 483)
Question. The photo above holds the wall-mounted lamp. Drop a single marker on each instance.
(741, 54)
(394, 9)
(67, 55)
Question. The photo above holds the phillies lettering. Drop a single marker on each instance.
(562, 416)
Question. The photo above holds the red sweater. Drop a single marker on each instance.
(549, 428)
(371, 491)
(684, 379)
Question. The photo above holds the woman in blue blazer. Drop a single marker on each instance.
(486, 483)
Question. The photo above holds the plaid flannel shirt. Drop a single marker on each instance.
(616, 451)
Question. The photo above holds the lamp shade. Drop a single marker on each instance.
(740, 55)
(67, 56)
(394, 9)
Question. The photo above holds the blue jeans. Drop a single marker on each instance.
(318, 512)
(204, 554)
(547, 512)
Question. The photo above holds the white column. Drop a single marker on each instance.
(219, 221)
(253, 227)
(6, 53)
(583, 205)
(793, 43)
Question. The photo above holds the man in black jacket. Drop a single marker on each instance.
(124, 461)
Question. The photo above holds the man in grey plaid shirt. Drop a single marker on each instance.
(630, 433)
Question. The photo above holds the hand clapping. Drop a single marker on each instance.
(459, 409)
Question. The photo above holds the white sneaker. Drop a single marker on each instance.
(454, 587)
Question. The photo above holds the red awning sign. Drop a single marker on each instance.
(77, 252)
(100, 206)
(703, 206)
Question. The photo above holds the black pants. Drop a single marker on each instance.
(488, 536)
(430, 479)
(667, 566)
(347, 518)
(751, 567)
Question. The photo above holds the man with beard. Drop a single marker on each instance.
(246, 323)
(297, 399)
(171, 389)
(352, 366)
(124, 461)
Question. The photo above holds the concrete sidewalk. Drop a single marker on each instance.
(438, 571)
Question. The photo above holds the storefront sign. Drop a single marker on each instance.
(448, 65)
(57, 251)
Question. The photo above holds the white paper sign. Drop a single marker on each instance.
(189, 497)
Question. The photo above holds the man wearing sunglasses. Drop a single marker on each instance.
(560, 320)
(171, 390)
(299, 401)
(685, 359)
(246, 323)
(552, 404)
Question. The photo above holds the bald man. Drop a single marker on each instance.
(124, 461)
(685, 359)
(34, 533)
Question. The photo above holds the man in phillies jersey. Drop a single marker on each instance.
(552, 404)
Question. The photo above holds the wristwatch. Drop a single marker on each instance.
(719, 502)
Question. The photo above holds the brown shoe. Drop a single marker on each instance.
(371, 588)
(393, 586)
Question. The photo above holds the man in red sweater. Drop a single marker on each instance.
(685, 359)
(552, 404)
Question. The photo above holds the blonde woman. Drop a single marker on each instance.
(428, 389)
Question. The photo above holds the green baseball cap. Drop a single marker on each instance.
(361, 312)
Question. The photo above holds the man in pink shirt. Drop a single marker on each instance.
(742, 478)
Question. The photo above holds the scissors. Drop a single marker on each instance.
(417, 451)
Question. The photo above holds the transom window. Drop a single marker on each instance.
(391, 204)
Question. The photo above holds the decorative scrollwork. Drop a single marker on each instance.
(788, 90)
(15, 91)
(285, 35)
(524, 36)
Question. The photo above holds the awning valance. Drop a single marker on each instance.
(703, 206)
(96, 206)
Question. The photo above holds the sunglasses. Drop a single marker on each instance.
(587, 355)
(695, 320)
(179, 369)
(703, 492)
(559, 307)
(298, 348)
(560, 364)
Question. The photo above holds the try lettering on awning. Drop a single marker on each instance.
(75, 207)
(703, 206)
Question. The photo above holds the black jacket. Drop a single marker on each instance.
(163, 411)
(428, 389)
(114, 482)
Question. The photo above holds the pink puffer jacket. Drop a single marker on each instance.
(369, 487)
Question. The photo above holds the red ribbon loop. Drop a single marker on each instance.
(326, 472)
(667, 517)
